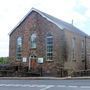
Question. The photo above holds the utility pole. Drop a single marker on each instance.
(85, 53)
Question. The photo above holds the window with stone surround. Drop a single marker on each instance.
(49, 47)
(19, 48)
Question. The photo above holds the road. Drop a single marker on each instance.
(44, 84)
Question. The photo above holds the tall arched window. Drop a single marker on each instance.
(33, 40)
(49, 46)
(19, 47)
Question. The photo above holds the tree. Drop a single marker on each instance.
(4, 60)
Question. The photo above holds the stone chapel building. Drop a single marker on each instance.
(60, 45)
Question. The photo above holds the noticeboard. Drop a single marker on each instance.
(40, 60)
(24, 59)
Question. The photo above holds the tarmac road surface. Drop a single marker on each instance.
(44, 84)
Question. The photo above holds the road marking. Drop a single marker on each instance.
(72, 86)
(27, 85)
(2, 84)
(61, 85)
(13, 85)
(43, 87)
(19, 85)
(22, 85)
(38, 85)
(48, 87)
(84, 86)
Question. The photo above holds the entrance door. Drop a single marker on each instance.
(33, 64)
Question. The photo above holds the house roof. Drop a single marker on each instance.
(61, 24)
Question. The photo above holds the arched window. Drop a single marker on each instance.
(33, 40)
(49, 46)
(18, 47)
(19, 41)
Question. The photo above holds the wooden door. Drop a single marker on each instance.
(33, 64)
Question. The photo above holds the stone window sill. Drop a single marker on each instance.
(49, 60)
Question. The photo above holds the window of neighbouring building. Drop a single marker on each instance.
(49, 47)
(19, 48)
(33, 40)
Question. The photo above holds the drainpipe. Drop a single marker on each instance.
(29, 63)
(85, 53)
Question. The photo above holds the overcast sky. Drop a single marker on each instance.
(12, 11)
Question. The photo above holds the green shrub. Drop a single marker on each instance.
(4, 60)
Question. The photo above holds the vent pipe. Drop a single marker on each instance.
(72, 21)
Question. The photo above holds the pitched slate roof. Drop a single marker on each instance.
(61, 24)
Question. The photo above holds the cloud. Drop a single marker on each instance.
(85, 3)
(84, 6)
(87, 14)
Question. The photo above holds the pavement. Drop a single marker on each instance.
(44, 78)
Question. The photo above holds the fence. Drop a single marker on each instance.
(81, 73)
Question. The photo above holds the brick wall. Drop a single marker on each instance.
(62, 52)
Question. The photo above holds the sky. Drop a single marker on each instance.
(12, 11)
